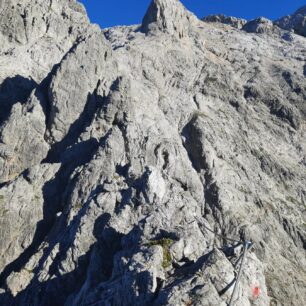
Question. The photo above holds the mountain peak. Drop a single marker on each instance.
(168, 16)
(295, 22)
(301, 10)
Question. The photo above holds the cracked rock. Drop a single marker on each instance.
(136, 160)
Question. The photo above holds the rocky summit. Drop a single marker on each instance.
(155, 164)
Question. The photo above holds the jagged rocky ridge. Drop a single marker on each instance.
(113, 141)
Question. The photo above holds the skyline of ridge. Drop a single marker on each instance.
(113, 13)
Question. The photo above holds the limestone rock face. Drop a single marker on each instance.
(23, 213)
(36, 34)
(295, 22)
(24, 21)
(233, 21)
(259, 25)
(136, 161)
(22, 137)
(72, 87)
(168, 16)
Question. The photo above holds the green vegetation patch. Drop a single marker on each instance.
(78, 205)
(165, 243)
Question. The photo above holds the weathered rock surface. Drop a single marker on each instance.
(295, 22)
(23, 211)
(233, 21)
(22, 137)
(260, 25)
(79, 74)
(115, 143)
(168, 16)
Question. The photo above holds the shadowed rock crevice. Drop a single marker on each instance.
(57, 289)
(196, 151)
(51, 205)
(193, 145)
(45, 83)
(12, 90)
(75, 130)
(53, 195)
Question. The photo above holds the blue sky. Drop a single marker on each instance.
(109, 13)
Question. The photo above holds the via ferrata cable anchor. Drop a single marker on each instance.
(246, 246)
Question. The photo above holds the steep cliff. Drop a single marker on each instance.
(135, 162)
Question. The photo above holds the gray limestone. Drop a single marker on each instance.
(295, 22)
(128, 154)
(233, 21)
(260, 25)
